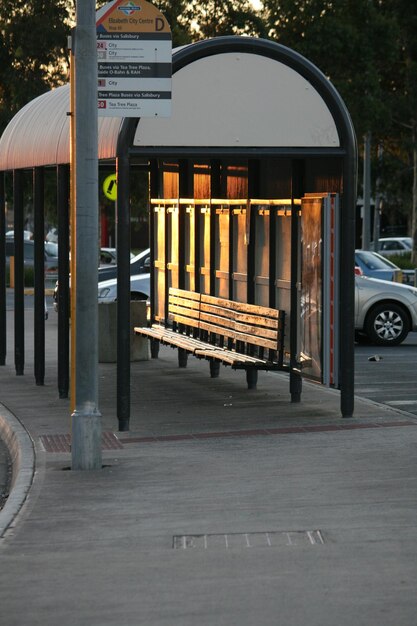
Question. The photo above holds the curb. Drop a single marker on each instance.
(21, 450)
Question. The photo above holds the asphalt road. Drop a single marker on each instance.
(388, 375)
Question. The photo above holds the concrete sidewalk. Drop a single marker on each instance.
(221, 506)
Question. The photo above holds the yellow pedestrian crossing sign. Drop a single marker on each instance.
(110, 187)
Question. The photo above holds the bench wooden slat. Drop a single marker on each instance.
(190, 295)
(192, 305)
(182, 318)
(228, 356)
(217, 320)
(241, 306)
(256, 331)
(218, 329)
(152, 332)
(253, 335)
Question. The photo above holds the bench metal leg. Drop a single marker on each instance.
(251, 377)
(296, 384)
(154, 348)
(182, 357)
(214, 368)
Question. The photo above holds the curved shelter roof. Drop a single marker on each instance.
(232, 92)
(39, 134)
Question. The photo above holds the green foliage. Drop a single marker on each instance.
(33, 56)
(214, 19)
(354, 44)
(403, 261)
(367, 48)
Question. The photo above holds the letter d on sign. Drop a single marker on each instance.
(159, 23)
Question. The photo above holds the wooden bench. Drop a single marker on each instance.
(244, 336)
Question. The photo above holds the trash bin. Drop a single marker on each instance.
(107, 328)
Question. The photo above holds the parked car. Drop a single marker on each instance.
(27, 234)
(108, 256)
(374, 265)
(52, 235)
(385, 312)
(140, 289)
(390, 246)
(139, 264)
(50, 258)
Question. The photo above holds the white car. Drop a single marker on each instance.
(140, 288)
(27, 234)
(385, 311)
(390, 246)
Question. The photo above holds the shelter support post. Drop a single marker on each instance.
(3, 333)
(19, 276)
(347, 294)
(63, 279)
(296, 382)
(123, 293)
(125, 140)
(39, 230)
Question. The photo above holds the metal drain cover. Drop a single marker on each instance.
(62, 443)
(270, 539)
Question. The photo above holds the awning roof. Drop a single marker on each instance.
(230, 92)
(39, 134)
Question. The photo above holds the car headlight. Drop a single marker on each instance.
(103, 292)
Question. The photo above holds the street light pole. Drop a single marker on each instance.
(86, 418)
(366, 218)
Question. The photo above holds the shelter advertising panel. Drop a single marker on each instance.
(319, 291)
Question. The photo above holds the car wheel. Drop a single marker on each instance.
(387, 324)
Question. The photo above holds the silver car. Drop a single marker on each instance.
(139, 288)
(385, 311)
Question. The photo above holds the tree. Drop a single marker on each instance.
(173, 10)
(354, 44)
(33, 55)
(215, 18)
(368, 49)
(403, 102)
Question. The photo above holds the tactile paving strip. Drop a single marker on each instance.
(256, 432)
(62, 443)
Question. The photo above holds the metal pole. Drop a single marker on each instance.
(3, 333)
(19, 274)
(39, 338)
(124, 143)
(123, 292)
(378, 202)
(297, 189)
(366, 219)
(347, 281)
(62, 177)
(86, 418)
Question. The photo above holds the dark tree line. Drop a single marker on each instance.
(367, 48)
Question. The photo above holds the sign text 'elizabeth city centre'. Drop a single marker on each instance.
(134, 54)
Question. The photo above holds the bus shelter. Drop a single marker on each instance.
(252, 193)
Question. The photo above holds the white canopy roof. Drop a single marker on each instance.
(223, 99)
